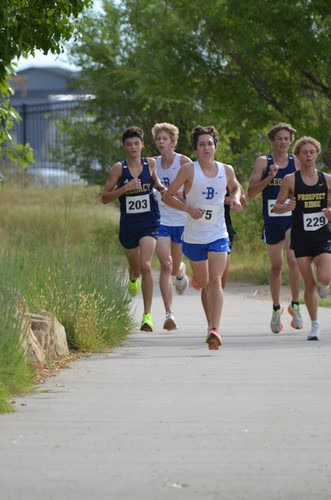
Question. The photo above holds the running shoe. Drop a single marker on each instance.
(213, 339)
(181, 284)
(170, 322)
(195, 285)
(147, 323)
(275, 324)
(296, 322)
(134, 287)
(323, 291)
(314, 333)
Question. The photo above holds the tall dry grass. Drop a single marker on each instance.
(59, 249)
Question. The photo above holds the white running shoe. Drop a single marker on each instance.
(314, 333)
(322, 290)
(182, 283)
(170, 322)
(275, 324)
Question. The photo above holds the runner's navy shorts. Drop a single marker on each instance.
(274, 233)
(130, 239)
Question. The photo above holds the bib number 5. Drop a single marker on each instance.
(210, 214)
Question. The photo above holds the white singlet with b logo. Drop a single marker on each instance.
(206, 193)
(169, 216)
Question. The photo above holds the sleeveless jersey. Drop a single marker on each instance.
(308, 221)
(228, 220)
(208, 194)
(139, 208)
(270, 192)
(169, 216)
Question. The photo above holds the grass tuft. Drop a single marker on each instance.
(63, 257)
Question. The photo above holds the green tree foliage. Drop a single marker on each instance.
(25, 26)
(124, 78)
(242, 65)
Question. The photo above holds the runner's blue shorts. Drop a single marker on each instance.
(197, 252)
(175, 233)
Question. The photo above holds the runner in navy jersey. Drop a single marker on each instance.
(132, 182)
(266, 178)
(307, 193)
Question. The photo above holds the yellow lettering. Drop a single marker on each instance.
(143, 189)
(275, 182)
(312, 204)
(146, 187)
(311, 196)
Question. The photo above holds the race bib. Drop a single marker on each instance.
(272, 214)
(210, 214)
(138, 204)
(313, 222)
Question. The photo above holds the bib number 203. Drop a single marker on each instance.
(138, 204)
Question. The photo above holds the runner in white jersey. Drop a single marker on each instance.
(207, 194)
(205, 240)
(170, 232)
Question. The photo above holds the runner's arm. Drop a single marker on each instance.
(110, 193)
(256, 182)
(327, 211)
(152, 169)
(233, 188)
(286, 193)
(228, 200)
(184, 159)
(183, 179)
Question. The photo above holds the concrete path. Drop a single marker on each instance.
(164, 418)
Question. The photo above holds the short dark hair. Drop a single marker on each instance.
(132, 132)
(197, 131)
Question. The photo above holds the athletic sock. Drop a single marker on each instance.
(276, 308)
